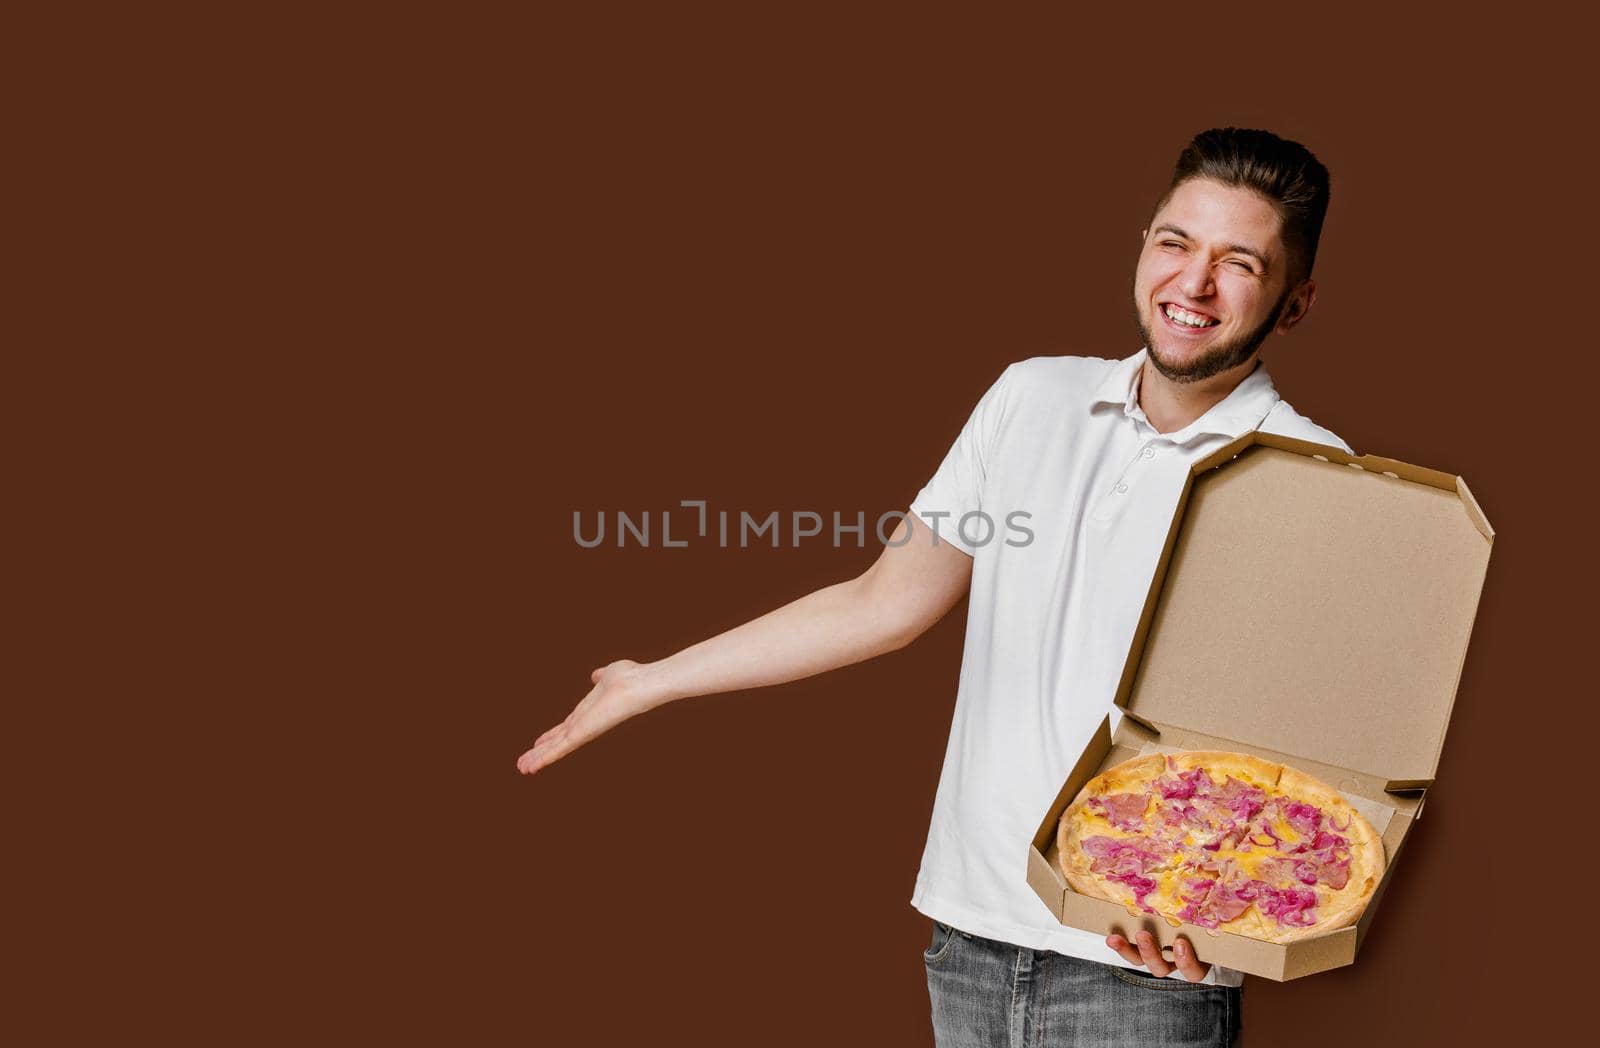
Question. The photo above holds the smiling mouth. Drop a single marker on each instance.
(1185, 319)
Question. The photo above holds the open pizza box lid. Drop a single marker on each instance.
(1312, 608)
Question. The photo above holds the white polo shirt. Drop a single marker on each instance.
(1049, 623)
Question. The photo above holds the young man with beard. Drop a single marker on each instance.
(1096, 452)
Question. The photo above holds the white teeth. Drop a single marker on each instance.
(1183, 316)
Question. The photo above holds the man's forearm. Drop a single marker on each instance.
(832, 627)
(911, 585)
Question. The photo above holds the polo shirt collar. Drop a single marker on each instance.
(1241, 411)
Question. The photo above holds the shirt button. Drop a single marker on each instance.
(1121, 488)
(1149, 452)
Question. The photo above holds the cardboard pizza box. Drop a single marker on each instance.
(1309, 607)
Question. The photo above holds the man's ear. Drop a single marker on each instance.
(1299, 304)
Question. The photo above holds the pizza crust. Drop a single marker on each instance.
(1243, 766)
(1335, 908)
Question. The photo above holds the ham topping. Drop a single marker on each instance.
(1170, 814)
(1184, 784)
(1141, 886)
(1245, 800)
(1209, 903)
(1302, 816)
(1335, 874)
(1215, 811)
(1324, 840)
(1315, 868)
(1117, 857)
(1125, 810)
(1288, 906)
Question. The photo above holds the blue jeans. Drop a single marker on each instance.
(989, 994)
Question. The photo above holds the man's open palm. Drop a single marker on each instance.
(614, 698)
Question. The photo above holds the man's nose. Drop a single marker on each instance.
(1195, 280)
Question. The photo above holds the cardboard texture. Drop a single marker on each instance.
(1309, 607)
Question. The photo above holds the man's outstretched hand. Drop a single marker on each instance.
(1146, 951)
(618, 694)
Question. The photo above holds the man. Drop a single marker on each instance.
(1095, 452)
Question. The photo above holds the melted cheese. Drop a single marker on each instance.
(1166, 900)
(1250, 861)
(1286, 833)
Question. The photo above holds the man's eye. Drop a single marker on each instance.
(1170, 243)
(1242, 265)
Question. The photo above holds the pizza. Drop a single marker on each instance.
(1224, 841)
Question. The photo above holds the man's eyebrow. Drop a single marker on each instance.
(1241, 249)
(1252, 252)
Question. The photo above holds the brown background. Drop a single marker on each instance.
(344, 316)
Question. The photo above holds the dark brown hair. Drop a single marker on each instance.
(1285, 173)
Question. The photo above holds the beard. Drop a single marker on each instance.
(1220, 357)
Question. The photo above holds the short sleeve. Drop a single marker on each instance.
(1285, 420)
(956, 487)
